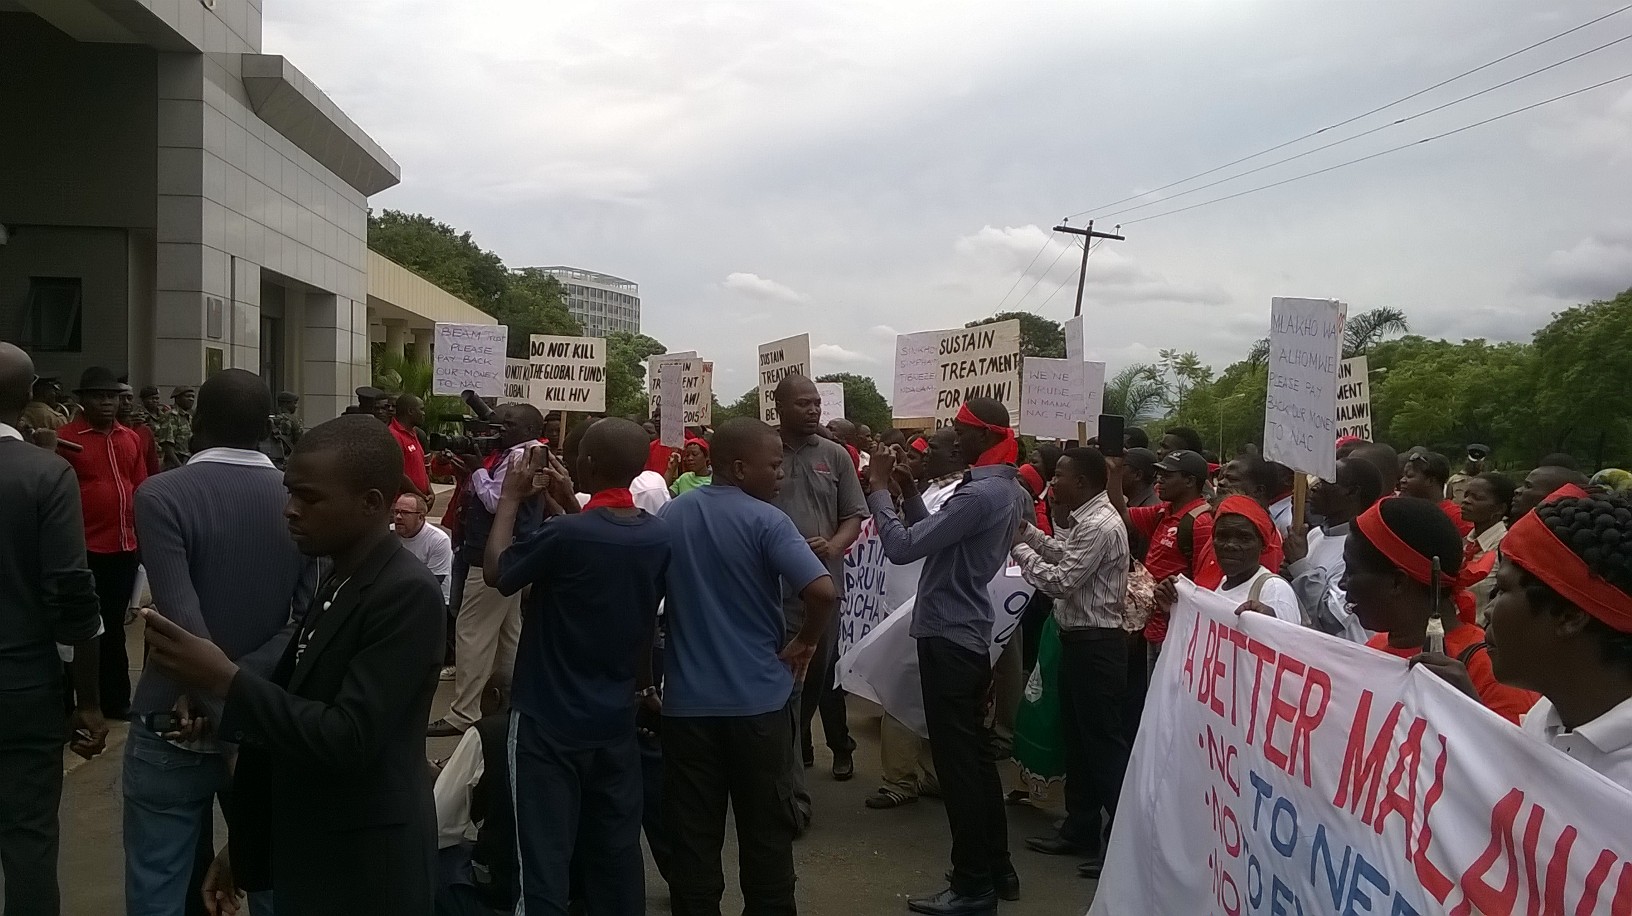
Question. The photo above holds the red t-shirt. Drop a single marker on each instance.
(413, 456)
(1508, 702)
(1159, 525)
(109, 466)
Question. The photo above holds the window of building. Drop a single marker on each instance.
(51, 323)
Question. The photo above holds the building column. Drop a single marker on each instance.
(334, 355)
(396, 336)
(420, 350)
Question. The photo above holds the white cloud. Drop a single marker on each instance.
(1596, 267)
(833, 353)
(757, 287)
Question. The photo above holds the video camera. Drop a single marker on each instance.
(481, 435)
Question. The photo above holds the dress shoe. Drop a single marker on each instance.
(844, 766)
(951, 903)
(1007, 884)
(1091, 869)
(442, 728)
(1056, 846)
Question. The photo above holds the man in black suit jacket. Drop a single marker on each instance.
(332, 796)
(47, 597)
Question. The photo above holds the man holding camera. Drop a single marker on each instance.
(488, 625)
(223, 567)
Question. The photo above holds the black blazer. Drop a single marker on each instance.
(331, 804)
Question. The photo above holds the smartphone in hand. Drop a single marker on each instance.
(1111, 429)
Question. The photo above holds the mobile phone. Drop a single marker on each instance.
(1110, 435)
(163, 722)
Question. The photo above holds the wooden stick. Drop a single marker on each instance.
(1300, 496)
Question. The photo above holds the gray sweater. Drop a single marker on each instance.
(221, 564)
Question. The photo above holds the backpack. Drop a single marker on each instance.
(1187, 533)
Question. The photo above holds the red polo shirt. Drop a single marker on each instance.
(110, 465)
(413, 456)
(1160, 527)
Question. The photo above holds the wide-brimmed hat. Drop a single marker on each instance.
(100, 378)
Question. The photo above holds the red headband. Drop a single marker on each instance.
(1032, 479)
(1403, 555)
(1006, 451)
(1248, 508)
(1540, 553)
(920, 444)
(700, 443)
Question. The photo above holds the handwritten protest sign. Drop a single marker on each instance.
(1073, 339)
(1279, 770)
(568, 373)
(1354, 398)
(696, 387)
(1300, 412)
(864, 603)
(517, 372)
(469, 357)
(915, 375)
(832, 400)
(672, 424)
(982, 361)
(778, 360)
(1057, 394)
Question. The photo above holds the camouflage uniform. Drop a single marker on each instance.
(286, 429)
(174, 433)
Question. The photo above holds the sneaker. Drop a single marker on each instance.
(442, 728)
(447, 673)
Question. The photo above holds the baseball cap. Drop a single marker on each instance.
(1140, 459)
(1185, 462)
(1478, 450)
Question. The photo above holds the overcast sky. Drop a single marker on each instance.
(855, 170)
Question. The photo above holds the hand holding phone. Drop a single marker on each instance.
(1111, 428)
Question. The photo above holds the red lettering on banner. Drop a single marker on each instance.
(1280, 709)
(1432, 879)
(1476, 891)
(1363, 769)
(1406, 761)
(1190, 657)
(1265, 656)
(1515, 856)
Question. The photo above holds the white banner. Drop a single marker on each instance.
(1057, 394)
(517, 373)
(982, 361)
(469, 357)
(1300, 412)
(778, 360)
(1354, 398)
(1282, 771)
(865, 602)
(696, 387)
(568, 373)
(832, 400)
(915, 375)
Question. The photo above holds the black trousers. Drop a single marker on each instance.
(712, 761)
(1093, 683)
(115, 581)
(31, 740)
(956, 684)
(1138, 684)
(820, 694)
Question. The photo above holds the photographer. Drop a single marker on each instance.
(488, 624)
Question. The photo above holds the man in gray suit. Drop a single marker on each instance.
(50, 599)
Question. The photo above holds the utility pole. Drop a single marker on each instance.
(1088, 236)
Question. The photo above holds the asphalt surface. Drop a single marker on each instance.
(853, 861)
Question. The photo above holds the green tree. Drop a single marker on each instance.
(626, 354)
(1136, 394)
(745, 406)
(532, 303)
(1584, 363)
(862, 402)
(1368, 329)
(440, 254)
(1039, 336)
(1180, 373)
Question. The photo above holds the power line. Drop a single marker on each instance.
(1022, 276)
(1330, 168)
(1045, 273)
(1364, 133)
(1358, 117)
(1063, 282)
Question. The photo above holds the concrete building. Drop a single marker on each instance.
(175, 201)
(601, 302)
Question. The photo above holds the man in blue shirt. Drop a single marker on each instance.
(583, 663)
(728, 724)
(963, 546)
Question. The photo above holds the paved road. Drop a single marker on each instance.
(853, 861)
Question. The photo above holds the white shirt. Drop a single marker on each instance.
(651, 491)
(1315, 580)
(8, 431)
(434, 548)
(1280, 512)
(1604, 744)
(451, 793)
(243, 457)
(1276, 594)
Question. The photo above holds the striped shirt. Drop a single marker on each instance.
(1087, 569)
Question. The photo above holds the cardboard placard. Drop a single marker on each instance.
(778, 360)
(696, 387)
(915, 375)
(1058, 394)
(832, 400)
(672, 428)
(1354, 398)
(469, 357)
(517, 373)
(982, 361)
(1300, 412)
(567, 373)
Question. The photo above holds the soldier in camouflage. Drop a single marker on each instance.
(286, 428)
(174, 431)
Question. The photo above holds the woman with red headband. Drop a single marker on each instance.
(1394, 590)
(1245, 550)
(694, 463)
(1561, 624)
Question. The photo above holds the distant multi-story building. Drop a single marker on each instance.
(601, 302)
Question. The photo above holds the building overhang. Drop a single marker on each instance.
(396, 293)
(292, 105)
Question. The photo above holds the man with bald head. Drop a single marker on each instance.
(963, 546)
(1541, 483)
(822, 495)
(50, 598)
(410, 415)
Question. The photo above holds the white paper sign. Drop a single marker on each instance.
(1300, 412)
(1279, 770)
(778, 360)
(469, 357)
(568, 373)
(916, 374)
(1073, 339)
(865, 602)
(672, 427)
(517, 372)
(982, 361)
(696, 387)
(1354, 398)
(832, 400)
(1057, 394)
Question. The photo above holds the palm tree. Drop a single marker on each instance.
(1137, 394)
(1367, 329)
(1258, 356)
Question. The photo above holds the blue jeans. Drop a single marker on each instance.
(170, 796)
